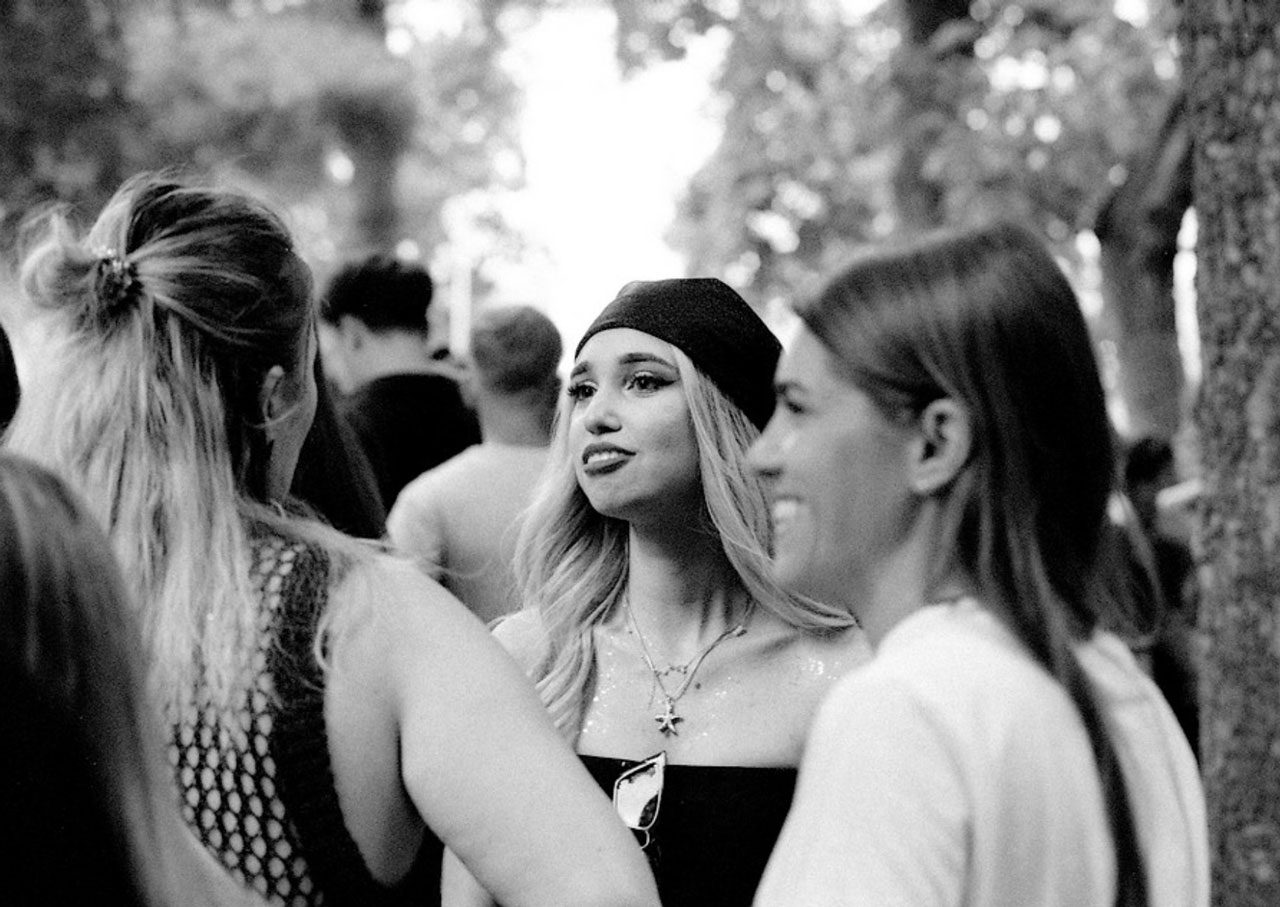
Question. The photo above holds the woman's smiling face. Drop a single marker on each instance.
(837, 473)
(631, 435)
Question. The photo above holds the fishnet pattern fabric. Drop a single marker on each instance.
(228, 776)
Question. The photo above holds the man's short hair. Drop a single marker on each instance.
(383, 292)
(515, 348)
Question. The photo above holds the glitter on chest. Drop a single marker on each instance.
(627, 701)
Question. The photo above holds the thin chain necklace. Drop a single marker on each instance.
(667, 719)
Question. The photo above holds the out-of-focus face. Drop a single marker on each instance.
(630, 432)
(836, 469)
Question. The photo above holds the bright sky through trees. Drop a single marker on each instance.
(606, 158)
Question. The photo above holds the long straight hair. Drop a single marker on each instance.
(84, 788)
(146, 399)
(572, 562)
(987, 318)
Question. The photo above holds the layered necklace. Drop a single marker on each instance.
(667, 719)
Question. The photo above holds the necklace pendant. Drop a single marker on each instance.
(668, 719)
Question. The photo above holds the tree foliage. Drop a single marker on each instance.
(299, 100)
(64, 116)
(265, 94)
(836, 128)
(1026, 109)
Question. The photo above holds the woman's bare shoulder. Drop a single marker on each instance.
(823, 657)
(524, 635)
(849, 646)
(385, 608)
(384, 581)
(839, 652)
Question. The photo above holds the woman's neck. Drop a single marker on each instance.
(899, 584)
(681, 590)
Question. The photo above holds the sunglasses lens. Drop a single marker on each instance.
(637, 793)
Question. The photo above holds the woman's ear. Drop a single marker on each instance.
(272, 402)
(942, 446)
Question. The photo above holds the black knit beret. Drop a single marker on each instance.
(709, 323)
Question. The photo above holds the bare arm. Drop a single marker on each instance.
(414, 527)
(524, 638)
(459, 888)
(482, 763)
(520, 634)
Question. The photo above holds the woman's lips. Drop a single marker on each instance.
(598, 459)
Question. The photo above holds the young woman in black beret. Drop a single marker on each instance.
(684, 676)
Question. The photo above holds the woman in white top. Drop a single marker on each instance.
(940, 464)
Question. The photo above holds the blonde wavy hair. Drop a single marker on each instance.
(572, 562)
(146, 400)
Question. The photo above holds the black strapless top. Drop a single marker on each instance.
(715, 829)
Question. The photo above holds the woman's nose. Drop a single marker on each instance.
(762, 455)
(601, 414)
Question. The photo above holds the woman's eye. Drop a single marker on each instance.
(790, 405)
(579, 392)
(647, 382)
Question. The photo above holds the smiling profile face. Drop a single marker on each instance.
(630, 432)
(837, 470)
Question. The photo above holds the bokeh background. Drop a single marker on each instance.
(548, 151)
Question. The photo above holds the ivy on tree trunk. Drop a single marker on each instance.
(1232, 62)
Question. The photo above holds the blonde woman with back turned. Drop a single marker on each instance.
(333, 711)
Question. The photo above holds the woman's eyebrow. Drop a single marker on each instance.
(636, 358)
(626, 359)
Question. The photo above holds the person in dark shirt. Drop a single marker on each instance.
(334, 475)
(406, 409)
(1149, 467)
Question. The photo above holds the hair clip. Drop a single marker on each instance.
(115, 279)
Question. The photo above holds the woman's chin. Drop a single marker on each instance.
(800, 576)
(792, 573)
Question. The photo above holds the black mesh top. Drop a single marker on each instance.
(715, 828)
(261, 794)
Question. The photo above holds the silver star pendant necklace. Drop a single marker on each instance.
(667, 719)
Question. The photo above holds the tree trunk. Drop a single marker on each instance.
(372, 13)
(918, 197)
(376, 154)
(377, 216)
(1233, 88)
(1138, 231)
